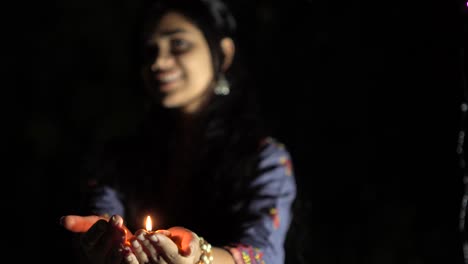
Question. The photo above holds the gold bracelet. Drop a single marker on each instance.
(205, 257)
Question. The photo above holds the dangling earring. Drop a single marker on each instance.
(222, 87)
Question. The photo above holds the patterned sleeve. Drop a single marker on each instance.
(105, 202)
(263, 239)
(100, 197)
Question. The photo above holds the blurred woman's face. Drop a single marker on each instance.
(180, 73)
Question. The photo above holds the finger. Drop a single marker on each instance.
(166, 247)
(161, 260)
(114, 237)
(153, 240)
(157, 257)
(77, 223)
(129, 257)
(138, 251)
(119, 222)
(148, 247)
(105, 245)
(164, 232)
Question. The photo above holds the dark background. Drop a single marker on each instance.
(365, 95)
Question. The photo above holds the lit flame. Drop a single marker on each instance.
(149, 224)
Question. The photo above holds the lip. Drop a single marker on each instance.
(167, 81)
(167, 86)
(167, 77)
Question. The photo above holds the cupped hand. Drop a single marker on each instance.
(101, 239)
(177, 245)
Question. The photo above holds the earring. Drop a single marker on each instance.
(222, 87)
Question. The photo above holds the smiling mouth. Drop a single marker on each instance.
(167, 81)
(167, 78)
(166, 86)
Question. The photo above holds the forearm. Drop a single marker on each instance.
(222, 256)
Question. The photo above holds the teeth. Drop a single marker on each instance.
(169, 78)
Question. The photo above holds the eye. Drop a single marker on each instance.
(179, 45)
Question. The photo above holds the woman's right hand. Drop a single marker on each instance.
(101, 239)
(176, 245)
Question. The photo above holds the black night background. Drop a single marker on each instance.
(365, 94)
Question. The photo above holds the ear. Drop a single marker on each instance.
(228, 48)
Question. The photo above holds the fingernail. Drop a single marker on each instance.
(129, 258)
(141, 237)
(164, 232)
(115, 221)
(135, 244)
(154, 238)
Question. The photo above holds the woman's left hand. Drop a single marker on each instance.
(177, 245)
(101, 239)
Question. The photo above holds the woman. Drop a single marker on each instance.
(202, 165)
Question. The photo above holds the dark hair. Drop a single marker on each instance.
(215, 21)
(212, 17)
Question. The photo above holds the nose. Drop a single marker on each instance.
(162, 61)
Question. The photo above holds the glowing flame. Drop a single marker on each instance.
(149, 224)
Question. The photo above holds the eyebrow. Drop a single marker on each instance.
(173, 31)
(168, 32)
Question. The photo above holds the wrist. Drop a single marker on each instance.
(206, 256)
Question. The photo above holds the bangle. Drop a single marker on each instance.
(205, 257)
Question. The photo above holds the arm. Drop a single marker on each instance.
(263, 237)
(222, 256)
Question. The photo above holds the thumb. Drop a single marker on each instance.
(187, 245)
(167, 247)
(185, 239)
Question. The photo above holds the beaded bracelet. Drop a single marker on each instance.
(205, 257)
